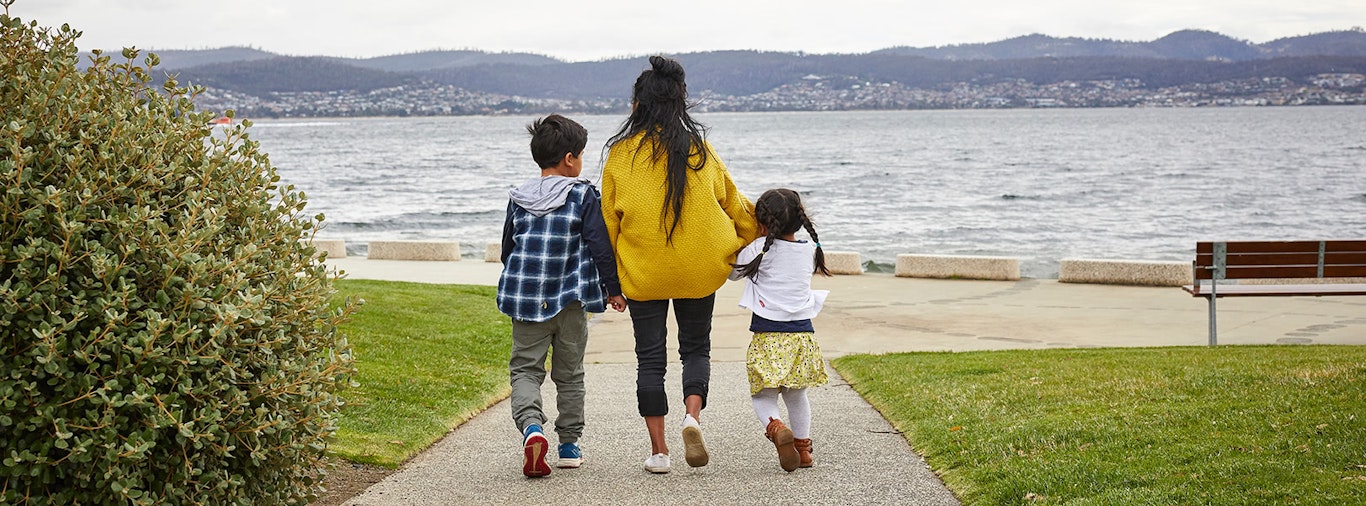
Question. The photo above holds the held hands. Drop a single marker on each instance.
(617, 302)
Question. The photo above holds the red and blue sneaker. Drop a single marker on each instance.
(571, 456)
(534, 449)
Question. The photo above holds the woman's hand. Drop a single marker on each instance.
(617, 302)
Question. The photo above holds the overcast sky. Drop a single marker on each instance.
(599, 29)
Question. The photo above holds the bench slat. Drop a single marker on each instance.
(1202, 290)
(1357, 246)
(1345, 257)
(1344, 271)
(1286, 271)
(1262, 259)
(1285, 258)
(1346, 246)
(1261, 247)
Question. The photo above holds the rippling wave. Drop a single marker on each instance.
(1040, 185)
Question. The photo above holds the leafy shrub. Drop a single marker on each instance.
(165, 329)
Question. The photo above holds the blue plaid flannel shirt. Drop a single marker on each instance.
(552, 260)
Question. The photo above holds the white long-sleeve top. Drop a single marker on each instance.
(781, 291)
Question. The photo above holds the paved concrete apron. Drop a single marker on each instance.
(859, 457)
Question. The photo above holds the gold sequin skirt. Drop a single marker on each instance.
(784, 359)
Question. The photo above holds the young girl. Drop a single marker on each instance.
(783, 358)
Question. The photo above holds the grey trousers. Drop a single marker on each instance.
(566, 336)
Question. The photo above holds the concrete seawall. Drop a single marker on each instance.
(415, 250)
(844, 262)
(880, 313)
(335, 248)
(1124, 272)
(993, 268)
(958, 267)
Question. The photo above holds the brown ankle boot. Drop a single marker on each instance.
(803, 447)
(781, 436)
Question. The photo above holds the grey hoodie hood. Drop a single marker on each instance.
(542, 195)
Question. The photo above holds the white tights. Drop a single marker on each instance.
(798, 409)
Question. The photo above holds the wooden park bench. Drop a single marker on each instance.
(1281, 268)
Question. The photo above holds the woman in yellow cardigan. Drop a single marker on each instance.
(676, 221)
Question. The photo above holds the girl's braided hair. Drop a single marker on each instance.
(780, 211)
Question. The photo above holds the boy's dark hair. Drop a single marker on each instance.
(780, 210)
(554, 136)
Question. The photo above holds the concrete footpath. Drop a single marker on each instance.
(860, 459)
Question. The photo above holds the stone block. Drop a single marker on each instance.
(1124, 272)
(958, 267)
(414, 250)
(493, 252)
(844, 262)
(335, 248)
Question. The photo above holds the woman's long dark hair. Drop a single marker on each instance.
(781, 212)
(660, 109)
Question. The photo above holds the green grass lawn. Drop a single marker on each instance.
(428, 357)
(1226, 425)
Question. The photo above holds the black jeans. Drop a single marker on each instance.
(649, 317)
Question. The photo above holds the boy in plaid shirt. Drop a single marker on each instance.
(558, 266)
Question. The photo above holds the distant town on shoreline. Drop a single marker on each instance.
(1189, 68)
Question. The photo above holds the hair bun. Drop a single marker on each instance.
(666, 67)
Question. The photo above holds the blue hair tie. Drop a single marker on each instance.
(818, 245)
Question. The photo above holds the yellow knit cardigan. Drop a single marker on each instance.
(715, 223)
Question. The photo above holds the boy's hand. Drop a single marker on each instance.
(618, 302)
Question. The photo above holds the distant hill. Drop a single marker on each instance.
(1181, 45)
(291, 74)
(185, 58)
(730, 72)
(1203, 45)
(1339, 43)
(748, 72)
(174, 59)
(438, 60)
(1027, 46)
(1183, 57)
